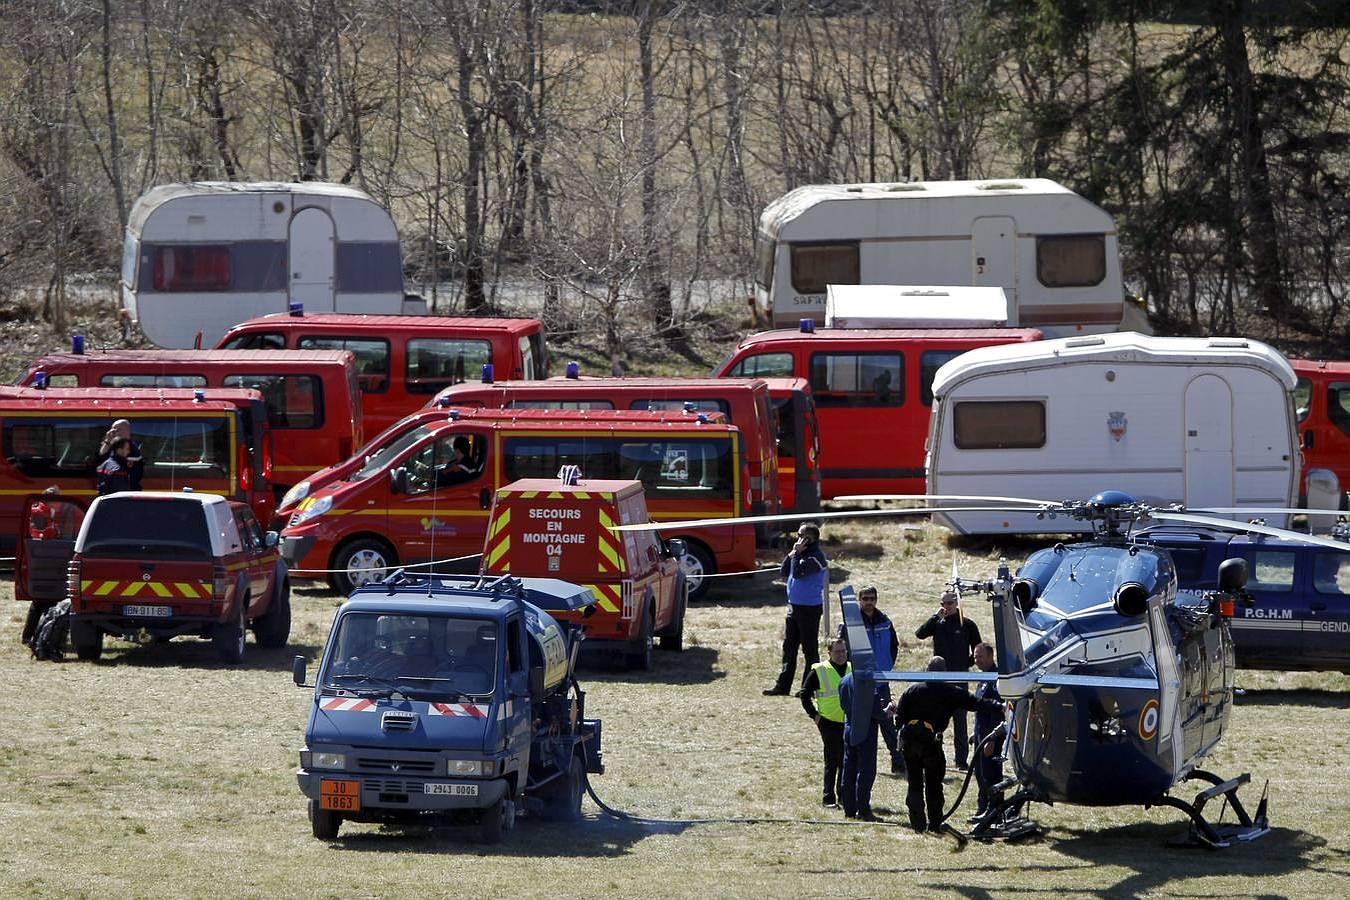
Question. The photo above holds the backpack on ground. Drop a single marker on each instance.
(49, 638)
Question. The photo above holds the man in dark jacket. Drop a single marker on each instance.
(860, 753)
(922, 714)
(954, 639)
(807, 573)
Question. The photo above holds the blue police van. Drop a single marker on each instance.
(1300, 620)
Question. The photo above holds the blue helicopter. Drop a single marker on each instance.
(1117, 688)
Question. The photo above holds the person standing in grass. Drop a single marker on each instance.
(885, 647)
(807, 573)
(954, 639)
(820, 699)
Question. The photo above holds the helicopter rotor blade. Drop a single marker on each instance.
(1099, 681)
(1266, 510)
(811, 517)
(1250, 527)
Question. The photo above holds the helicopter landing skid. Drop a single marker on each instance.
(1217, 836)
(1006, 822)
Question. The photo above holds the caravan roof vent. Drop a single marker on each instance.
(1240, 343)
(896, 188)
(1086, 341)
(999, 186)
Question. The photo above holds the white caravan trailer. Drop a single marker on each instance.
(1208, 422)
(203, 256)
(1053, 252)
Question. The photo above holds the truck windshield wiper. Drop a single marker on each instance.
(433, 688)
(383, 685)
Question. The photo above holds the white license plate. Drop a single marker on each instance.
(149, 612)
(455, 790)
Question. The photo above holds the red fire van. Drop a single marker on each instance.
(402, 360)
(873, 394)
(313, 409)
(427, 495)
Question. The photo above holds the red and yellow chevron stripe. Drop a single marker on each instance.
(167, 590)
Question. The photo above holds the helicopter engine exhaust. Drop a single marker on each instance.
(1131, 599)
(1024, 593)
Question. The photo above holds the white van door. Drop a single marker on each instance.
(313, 246)
(1209, 442)
(993, 257)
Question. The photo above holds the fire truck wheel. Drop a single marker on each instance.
(696, 563)
(496, 820)
(360, 562)
(324, 822)
(273, 628)
(672, 637)
(86, 639)
(228, 637)
(640, 657)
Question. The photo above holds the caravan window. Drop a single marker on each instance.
(999, 425)
(765, 250)
(293, 401)
(191, 268)
(435, 363)
(816, 265)
(1071, 260)
(372, 358)
(858, 379)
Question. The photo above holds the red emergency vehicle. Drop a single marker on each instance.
(413, 501)
(402, 360)
(214, 441)
(544, 528)
(1322, 404)
(313, 405)
(873, 394)
(746, 403)
(798, 444)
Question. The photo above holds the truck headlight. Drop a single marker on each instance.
(313, 510)
(295, 494)
(311, 760)
(465, 768)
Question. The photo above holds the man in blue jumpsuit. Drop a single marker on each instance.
(860, 754)
(807, 573)
(988, 758)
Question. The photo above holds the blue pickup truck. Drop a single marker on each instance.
(449, 699)
(1300, 620)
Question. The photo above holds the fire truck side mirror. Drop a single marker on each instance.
(398, 480)
(677, 547)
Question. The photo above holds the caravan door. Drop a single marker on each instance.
(1209, 442)
(993, 258)
(313, 245)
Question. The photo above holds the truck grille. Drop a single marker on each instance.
(392, 786)
(390, 764)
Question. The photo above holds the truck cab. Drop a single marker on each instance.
(546, 528)
(443, 699)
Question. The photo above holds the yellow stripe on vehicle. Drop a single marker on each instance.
(498, 552)
(133, 588)
(188, 590)
(609, 552)
(501, 521)
(602, 599)
(160, 589)
(104, 589)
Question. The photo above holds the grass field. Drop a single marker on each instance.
(157, 772)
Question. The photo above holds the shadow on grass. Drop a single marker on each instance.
(1143, 848)
(187, 653)
(596, 836)
(1295, 697)
(693, 665)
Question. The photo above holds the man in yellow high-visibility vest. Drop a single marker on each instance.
(820, 699)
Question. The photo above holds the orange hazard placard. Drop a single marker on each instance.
(341, 795)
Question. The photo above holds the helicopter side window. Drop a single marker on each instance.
(1331, 573)
(1272, 571)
